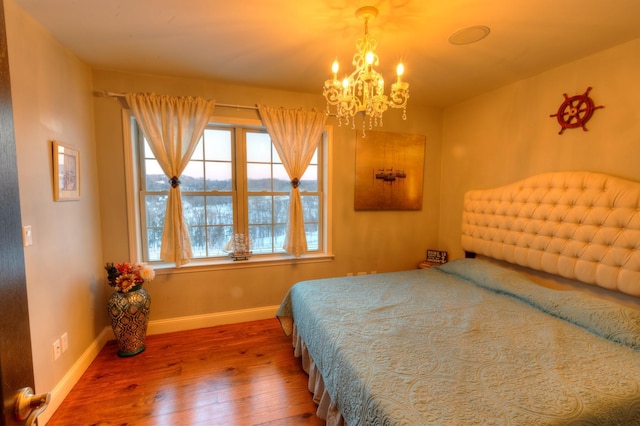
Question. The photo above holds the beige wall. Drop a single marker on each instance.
(362, 241)
(507, 134)
(52, 100)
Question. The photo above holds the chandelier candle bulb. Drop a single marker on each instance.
(370, 58)
(400, 71)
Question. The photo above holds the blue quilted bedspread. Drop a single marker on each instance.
(468, 343)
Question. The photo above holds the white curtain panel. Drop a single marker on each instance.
(172, 127)
(295, 135)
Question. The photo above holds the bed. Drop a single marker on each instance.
(540, 324)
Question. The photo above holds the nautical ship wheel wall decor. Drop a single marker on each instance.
(575, 111)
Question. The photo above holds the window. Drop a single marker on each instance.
(235, 183)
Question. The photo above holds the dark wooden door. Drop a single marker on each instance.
(16, 369)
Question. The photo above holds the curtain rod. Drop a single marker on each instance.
(122, 95)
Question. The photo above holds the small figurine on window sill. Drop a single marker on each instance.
(239, 247)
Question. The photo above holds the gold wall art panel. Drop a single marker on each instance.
(389, 171)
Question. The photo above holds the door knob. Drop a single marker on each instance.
(29, 406)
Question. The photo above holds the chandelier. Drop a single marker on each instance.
(363, 90)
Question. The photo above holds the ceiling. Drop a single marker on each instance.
(290, 44)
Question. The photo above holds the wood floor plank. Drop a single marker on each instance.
(239, 374)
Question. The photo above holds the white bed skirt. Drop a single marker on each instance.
(326, 409)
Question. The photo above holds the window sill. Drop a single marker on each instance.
(227, 263)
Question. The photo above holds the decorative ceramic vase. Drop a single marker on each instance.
(129, 314)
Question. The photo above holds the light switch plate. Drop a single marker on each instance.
(27, 238)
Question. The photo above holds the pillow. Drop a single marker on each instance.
(617, 323)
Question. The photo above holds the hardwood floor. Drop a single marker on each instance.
(240, 374)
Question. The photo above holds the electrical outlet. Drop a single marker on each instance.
(57, 349)
(65, 342)
(362, 273)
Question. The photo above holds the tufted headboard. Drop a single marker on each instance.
(578, 225)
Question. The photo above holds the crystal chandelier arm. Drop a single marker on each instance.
(399, 94)
(332, 91)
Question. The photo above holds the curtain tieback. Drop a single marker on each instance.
(295, 182)
(174, 181)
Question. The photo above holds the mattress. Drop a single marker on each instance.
(468, 343)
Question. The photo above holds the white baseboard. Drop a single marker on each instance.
(209, 320)
(62, 389)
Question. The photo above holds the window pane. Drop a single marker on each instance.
(219, 236)
(279, 236)
(309, 181)
(147, 149)
(219, 210)
(281, 181)
(258, 147)
(154, 238)
(281, 209)
(262, 238)
(258, 177)
(193, 210)
(198, 153)
(260, 209)
(311, 232)
(155, 206)
(217, 145)
(276, 157)
(218, 176)
(155, 179)
(198, 235)
(192, 178)
(310, 208)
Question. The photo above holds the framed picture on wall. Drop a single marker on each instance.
(66, 172)
(389, 171)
